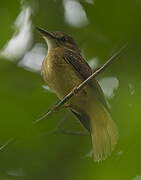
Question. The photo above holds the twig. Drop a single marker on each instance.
(74, 133)
(84, 83)
(6, 143)
(68, 96)
(56, 129)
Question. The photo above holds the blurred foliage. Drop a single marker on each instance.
(36, 155)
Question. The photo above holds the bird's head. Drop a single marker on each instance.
(58, 39)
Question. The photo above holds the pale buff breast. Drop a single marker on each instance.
(61, 77)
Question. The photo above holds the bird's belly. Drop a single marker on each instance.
(62, 79)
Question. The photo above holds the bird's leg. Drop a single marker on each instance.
(67, 106)
(74, 90)
(76, 93)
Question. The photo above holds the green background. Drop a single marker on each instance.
(40, 156)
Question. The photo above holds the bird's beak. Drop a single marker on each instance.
(45, 33)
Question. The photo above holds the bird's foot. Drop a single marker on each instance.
(67, 106)
(78, 93)
(75, 91)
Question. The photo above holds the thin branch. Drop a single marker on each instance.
(56, 129)
(84, 83)
(68, 96)
(74, 133)
(9, 141)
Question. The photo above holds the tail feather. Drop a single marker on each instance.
(104, 134)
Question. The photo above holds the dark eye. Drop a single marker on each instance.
(64, 39)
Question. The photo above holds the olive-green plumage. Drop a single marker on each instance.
(63, 69)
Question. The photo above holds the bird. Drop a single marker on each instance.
(63, 69)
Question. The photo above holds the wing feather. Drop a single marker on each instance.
(81, 66)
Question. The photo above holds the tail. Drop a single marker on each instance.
(104, 133)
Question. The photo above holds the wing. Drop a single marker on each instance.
(82, 67)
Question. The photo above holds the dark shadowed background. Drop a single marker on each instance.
(100, 28)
